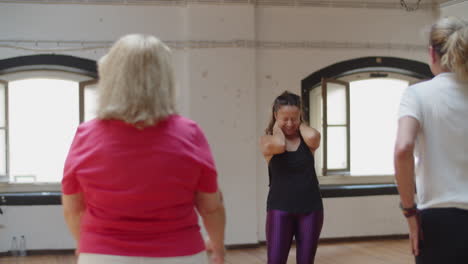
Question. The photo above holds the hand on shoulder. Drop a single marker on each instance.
(311, 136)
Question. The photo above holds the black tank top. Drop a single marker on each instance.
(293, 182)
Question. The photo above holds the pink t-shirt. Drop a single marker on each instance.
(139, 186)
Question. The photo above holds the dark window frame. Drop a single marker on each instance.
(325, 169)
(327, 191)
(333, 72)
(45, 62)
(6, 135)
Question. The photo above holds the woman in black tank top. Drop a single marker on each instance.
(294, 205)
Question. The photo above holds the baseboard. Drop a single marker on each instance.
(361, 238)
(235, 246)
(34, 252)
(328, 240)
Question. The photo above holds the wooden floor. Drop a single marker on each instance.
(388, 251)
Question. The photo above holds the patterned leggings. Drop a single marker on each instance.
(282, 226)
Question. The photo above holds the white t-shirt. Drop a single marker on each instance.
(441, 107)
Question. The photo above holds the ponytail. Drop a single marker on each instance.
(456, 56)
(449, 38)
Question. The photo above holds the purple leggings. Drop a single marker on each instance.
(281, 226)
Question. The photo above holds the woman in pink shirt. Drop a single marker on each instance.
(136, 176)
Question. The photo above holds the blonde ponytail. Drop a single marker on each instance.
(456, 56)
(449, 38)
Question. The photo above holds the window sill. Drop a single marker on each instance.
(335, 186)
(31, 198)
(14, 194)
(350, 180)
(343, 191)
(6, 187)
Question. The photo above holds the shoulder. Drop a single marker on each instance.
(428, 92)
(91, 123)
(88, 127)
(415, 94)
(429, 86)
(421, 86)
(182, 122)
(186, 128)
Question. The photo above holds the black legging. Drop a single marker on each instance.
(445, 236)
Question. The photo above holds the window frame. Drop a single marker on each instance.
(81, 111)
(81, 97)
(325, 126)
(53, 64)
(348, 71)
(6, 177)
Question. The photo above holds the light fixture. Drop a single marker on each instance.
(410, 8)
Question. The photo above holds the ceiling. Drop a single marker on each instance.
(349, 3)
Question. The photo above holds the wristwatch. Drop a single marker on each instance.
(411, 211)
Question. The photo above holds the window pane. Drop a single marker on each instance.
(2, 153)
(2, 105)
(336, 148)
(316, 120)
(315, 108)
(336, 104)
(90, 102)
(43, 119)
(373, 132)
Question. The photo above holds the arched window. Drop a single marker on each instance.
(43, 98)
(354, 104)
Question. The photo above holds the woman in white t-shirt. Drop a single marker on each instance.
(433, 124)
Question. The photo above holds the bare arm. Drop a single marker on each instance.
(73, 208)
(311, 136)
(404, 172)
(404, 160)
(211, 209)
(273, 144)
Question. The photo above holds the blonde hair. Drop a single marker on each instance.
(449, 38)
(136, 81)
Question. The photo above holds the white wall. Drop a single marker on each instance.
(227, 86)
(457, 8)
(362, 216)
(222, 98)
(42, 226)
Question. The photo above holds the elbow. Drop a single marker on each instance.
(313, 141)
(404, 151)
(206, 211)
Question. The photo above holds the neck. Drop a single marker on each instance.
(292, 137)
(441, 71)
(436, 65)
